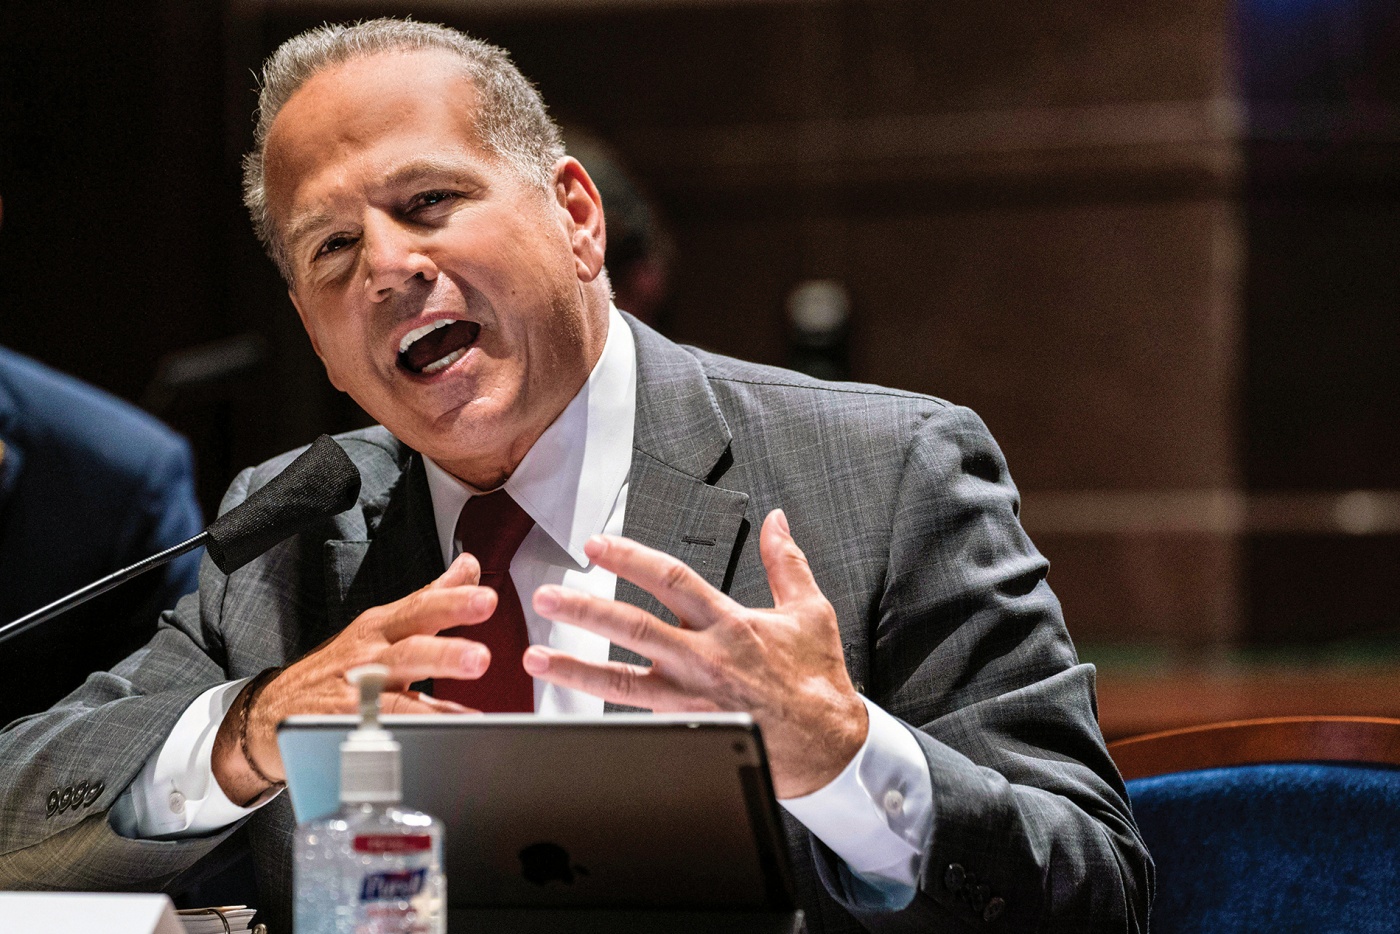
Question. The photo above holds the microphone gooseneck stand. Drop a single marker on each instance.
(28, 621)
(319, 483)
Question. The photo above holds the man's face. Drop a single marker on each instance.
(442, 291)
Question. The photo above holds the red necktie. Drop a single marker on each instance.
(491, 527)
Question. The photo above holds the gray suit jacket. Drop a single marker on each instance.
(907, 514)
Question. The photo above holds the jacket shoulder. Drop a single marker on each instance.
(774, 398)
(380, 458)
(52, 411)
(371, 450)
(719, 368)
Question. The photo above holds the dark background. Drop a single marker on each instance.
(1156, 246)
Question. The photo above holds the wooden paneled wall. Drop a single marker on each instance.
(1147, 242)
(1034, 209)
(1154, 245)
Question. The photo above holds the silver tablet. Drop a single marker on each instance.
(621, 811)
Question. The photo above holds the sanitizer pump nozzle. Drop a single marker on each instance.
(371, 771)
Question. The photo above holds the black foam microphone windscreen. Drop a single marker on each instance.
(321, 482)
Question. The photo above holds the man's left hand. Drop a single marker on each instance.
(784, 665)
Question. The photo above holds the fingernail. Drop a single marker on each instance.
(783, 523)
(595, 544)
(477, 660)
(536, 663)
(480, 602)
(546, 600)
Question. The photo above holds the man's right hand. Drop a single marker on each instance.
(401, 635)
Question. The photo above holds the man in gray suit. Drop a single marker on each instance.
(931, 733)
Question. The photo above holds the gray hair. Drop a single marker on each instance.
(511, 117)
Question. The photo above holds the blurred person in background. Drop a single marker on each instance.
(88, 485)
(640, 249)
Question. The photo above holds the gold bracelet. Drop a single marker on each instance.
(250, 694)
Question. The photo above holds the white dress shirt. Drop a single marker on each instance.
(876, 815)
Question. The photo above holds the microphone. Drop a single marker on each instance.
(321, 482)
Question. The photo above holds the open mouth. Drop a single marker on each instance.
(436, 346)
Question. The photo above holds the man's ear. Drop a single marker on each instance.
(582, 207)
(311, 333)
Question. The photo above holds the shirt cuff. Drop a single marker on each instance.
(877, 815)
(176, 794)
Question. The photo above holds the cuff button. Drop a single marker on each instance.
(65, 799)
(955, 877)
(994, 909)
(177, 803)
(52, 803)
(94, 792)
(893, 802)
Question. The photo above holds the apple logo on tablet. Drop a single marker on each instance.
(542, 863)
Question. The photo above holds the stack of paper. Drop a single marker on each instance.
(226, 919)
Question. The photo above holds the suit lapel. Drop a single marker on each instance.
(401, 557)
(679, 439)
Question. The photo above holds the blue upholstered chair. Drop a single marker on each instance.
(1278, 825)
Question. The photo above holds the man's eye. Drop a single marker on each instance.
(430, 199)
(334, 244)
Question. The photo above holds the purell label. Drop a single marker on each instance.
(395, 886)
(393, 843)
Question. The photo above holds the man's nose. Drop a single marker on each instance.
(393, 255)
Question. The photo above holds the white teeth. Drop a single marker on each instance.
(446, 361)
(416, 333)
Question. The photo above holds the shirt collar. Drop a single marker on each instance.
(570, 479)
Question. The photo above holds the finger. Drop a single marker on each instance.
(441, 704)
(434, 609)
(617, 682)
(789, 575)
(618, 622)
(418, 702)
(462, 571)
(418, 658)
(669, 579)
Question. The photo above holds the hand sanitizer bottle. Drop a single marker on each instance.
(373, 867)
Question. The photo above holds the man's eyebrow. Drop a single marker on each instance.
(299, 228)
(426, 167)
